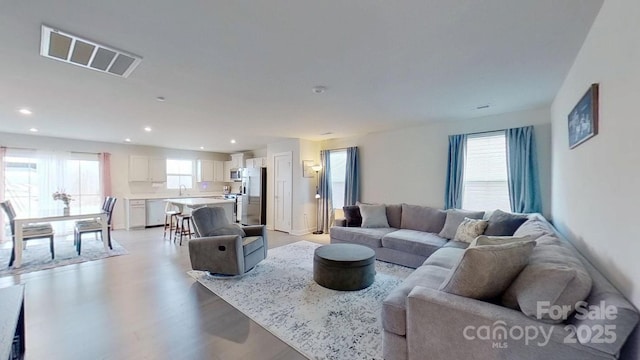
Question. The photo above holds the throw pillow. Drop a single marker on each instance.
(232, 229)
(504, 224)
(373, 216)
(484, 272)
(470, 229)
(454, 219)
(554, 275)
(352, 215)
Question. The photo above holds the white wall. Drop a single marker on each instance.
(119, 165)
(409, 165)
(595, 186)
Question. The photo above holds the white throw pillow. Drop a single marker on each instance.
(373, 216)
(470, 229)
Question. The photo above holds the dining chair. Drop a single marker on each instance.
(94, 226)
(29, 232)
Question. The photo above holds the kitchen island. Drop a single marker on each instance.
(194, 203)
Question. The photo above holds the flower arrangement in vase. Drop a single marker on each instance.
(65, 198)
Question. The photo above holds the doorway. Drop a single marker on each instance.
(282, 191)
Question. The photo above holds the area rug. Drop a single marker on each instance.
(281, 296)
(37, 256)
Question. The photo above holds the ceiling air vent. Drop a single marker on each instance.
(71, 49)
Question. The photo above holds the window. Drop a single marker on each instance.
(179, 173)
(338, 160)
(485, 184)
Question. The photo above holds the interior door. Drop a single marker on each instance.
(282, 191)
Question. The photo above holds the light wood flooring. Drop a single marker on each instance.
(140, 306)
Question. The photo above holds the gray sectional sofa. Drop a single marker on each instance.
(421, 321)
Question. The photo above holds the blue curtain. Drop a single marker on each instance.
(453, 189)
(352, 177)
(325, 206)
(522, 169)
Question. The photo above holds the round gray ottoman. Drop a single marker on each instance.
(344, 266)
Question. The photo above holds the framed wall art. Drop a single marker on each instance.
(583, 119)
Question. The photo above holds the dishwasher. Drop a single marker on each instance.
(155, 212)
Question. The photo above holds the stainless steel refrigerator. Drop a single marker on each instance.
(254, 196)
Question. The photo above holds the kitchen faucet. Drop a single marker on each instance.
(182, 187)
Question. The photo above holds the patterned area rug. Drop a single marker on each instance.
(281, 296)
(37, 256)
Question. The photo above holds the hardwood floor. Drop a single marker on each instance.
(140, 306)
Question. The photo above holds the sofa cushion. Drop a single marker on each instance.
(498, 240)
(394, 307)
(251, 244)
(470, 229)
(485, 271)
(422, 218)
(371, 237)
(394, 215)
(374, 216)
(554, 275)
(456, 244)
(504, 224)
(412, 241)
(446, 257)
(352, 215)
(454, 219)
(535, 227)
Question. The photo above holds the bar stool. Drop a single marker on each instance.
(171, 212)
(183, 225)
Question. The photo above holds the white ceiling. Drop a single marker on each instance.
(245, 69)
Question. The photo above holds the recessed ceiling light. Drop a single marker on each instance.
(147, 129)
(319, 89)
(25, 111)
(233, 141)
(161, 98)
(33, 130)
(127, 140)
(201, 147)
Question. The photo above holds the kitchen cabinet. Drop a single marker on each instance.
(144, 168)
(227, 171)
(210, 170)
(256, 162)
(237, 161)
(204, 170)
(136, 213)
(218, 171)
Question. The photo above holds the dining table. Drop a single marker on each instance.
(20, 221)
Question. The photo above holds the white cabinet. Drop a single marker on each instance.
(204, 170)
(218, 171)
(157, 170)
(136, 214)
(256, 162)
(227, 171)
(210, 170)
(237, 161)
(144, 168)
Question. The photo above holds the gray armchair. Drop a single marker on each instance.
(224, 248)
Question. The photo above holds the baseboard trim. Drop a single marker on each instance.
(301, 232)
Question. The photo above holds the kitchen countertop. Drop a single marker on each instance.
(162, 197)
(195, 201)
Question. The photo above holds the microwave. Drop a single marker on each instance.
(236, 175)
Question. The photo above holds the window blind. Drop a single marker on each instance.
(485, 173)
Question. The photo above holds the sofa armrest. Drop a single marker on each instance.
(446, 326)
(221, 254)
(340, 222)
(255, 230)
